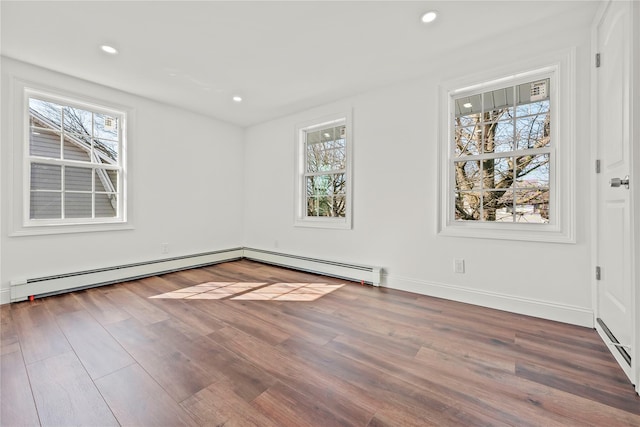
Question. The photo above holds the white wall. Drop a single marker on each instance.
(185, 187)
(395, 194)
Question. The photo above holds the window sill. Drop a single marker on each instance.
(522, 232)
(36, 230)
(338, 224)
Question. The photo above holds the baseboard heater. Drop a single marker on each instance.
(22, 289)
(359, 273)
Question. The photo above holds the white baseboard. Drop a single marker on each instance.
(543, 309)
(21, 289)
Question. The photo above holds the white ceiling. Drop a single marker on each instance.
(281, 57)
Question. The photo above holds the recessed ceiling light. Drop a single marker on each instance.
(467, 105)
(429, 16)
(109, 49)
(237, 98)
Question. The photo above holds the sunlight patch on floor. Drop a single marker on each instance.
(252, 291)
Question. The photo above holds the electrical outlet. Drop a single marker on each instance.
(164, 248)
(458, 265)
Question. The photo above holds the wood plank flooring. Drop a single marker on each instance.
(356, 356)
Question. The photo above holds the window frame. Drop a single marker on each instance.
(22, 222)
(561, 226)
(301, 219)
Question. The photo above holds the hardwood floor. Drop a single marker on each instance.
(239, 351)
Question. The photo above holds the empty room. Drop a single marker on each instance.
(320, 213)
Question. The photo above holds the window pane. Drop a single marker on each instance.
(77, 179)
(533, 131)
(45, 114)
(317, 185)
(77, 121)
(469, 105)
(313, 137)
(46, 177)
(77, 149)
(531, 92)
(339, 183)
(532, 205)
(497, 173)
(468, 140)
(340, 206)
(468, 120)
(534, 108)
(77, 205)
(498, 206)
(106, 205)
(502, 135)
(105, 127)
(106, 150)
(321, 206)
(106, 181)
(326, 184)
(44, 143)
(316, 205)
(467, 175)
(327, 134)
(467, 206)
(533, 171)
(326, 155)
(498, 104)
(45, 205)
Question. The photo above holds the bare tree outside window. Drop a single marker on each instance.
(502, 156)
(325, 176)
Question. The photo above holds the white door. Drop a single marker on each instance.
(614, 242)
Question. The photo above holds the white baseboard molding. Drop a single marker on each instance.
(22, 289)
(359, 273)
(531, 307)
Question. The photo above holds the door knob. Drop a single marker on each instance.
(617, 182)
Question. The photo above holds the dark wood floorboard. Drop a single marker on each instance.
(358, 356)
(65, 395)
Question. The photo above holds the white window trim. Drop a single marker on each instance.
(300, 217)
(561, 228)
(19, 187)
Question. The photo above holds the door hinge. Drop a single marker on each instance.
(598, 272)
(598, 166)
(597, 60)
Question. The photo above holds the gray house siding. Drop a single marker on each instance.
(47, 190)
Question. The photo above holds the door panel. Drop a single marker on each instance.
(614, 251)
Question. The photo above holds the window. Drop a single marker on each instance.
(74, 167)
(324, 173)
(502, 151)
(507, 152)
